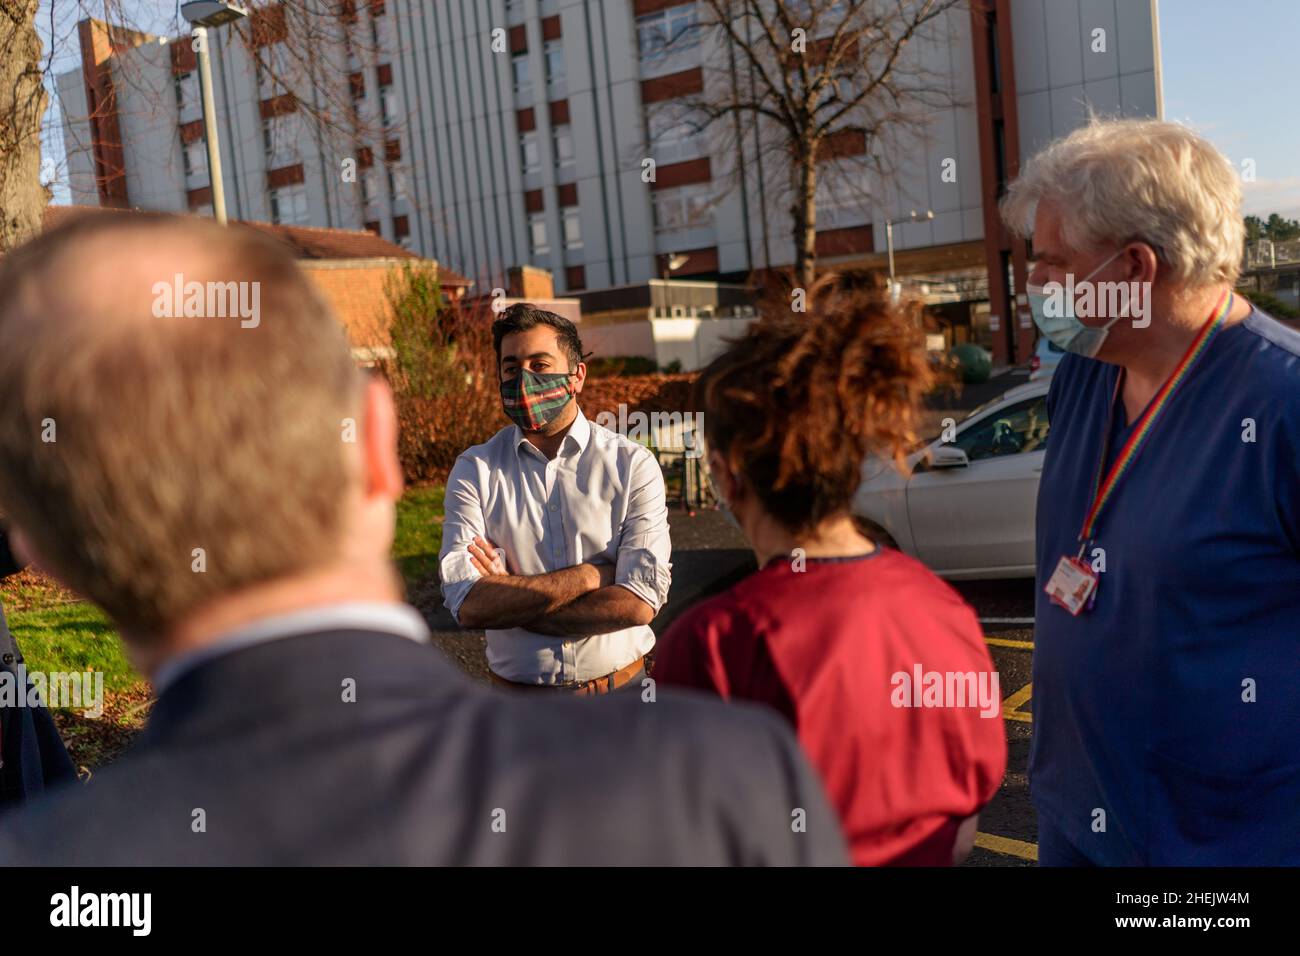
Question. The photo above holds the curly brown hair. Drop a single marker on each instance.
(796, 403)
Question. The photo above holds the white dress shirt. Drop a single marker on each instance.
(601, 499)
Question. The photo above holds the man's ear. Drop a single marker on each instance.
(720, 473)
(579, 376)
(24, 552)
(383, 468)
(27, 554)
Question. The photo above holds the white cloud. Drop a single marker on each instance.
(1265, 196)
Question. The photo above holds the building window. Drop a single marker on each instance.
(289, 205)
(396, 184)
(389, 107)
(684, 207)
(554, 52)
(195, 156)
(369, 187)
(839, 203)
(519, 68)
(562, 138)
(280, 138)
(530, 153)
(379, 28)
(673, 132)
(274, 69)
(572, 221)
(667, 32)
(188, 98)
(537, 243)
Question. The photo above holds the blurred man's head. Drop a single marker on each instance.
(159, 449)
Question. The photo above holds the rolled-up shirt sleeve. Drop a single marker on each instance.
(462, 521)
(644, 548)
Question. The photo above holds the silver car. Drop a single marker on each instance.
(965, 506)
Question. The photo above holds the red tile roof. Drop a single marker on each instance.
(306, 242)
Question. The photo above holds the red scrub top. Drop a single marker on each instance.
(903, 760)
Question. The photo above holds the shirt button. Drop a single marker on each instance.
(555, 507)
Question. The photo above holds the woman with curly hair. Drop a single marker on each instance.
(858, 646)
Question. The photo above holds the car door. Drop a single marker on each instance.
(980, 518)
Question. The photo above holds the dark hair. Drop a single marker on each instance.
(796, 403)
(521, 317)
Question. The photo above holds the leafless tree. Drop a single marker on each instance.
(22, 104)
(824, 88)
(301, 47)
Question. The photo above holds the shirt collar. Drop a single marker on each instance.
(576, 437)
(392, 618)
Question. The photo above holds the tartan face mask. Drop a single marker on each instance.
(533, 400)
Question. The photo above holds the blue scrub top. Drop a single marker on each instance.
(1140, 704)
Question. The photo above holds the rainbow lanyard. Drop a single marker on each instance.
(1103, 491)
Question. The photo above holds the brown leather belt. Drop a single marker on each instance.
(590, 688)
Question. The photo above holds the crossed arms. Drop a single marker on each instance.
(577, 601)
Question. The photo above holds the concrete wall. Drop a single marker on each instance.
(692, 342)
(1059, 74)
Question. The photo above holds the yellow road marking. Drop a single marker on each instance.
(1012, 705)
(1008, 642)
(1007, 846)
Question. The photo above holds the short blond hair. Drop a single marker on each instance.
(1125, 180)
(169, 434)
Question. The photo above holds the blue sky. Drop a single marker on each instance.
(1229, 72)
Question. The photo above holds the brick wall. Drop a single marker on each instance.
(355, 290)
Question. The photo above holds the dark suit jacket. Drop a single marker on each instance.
(32, 757)
(427, 768)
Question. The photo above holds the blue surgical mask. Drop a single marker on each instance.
(1066, 331)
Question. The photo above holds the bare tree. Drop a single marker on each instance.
(301, 48)
(22, 104)
(824, 88)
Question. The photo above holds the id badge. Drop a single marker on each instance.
(1072, 585)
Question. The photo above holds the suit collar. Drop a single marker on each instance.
(293, 677)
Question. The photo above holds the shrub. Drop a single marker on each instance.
(1270, 304)
(443, 373)
(606, 367)
(975, 363)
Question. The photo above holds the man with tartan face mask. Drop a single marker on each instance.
(555, 535)
(533, 400)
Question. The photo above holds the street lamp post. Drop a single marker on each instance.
(914, 216)
(204, 14)
(671, 262)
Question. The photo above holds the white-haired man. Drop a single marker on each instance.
(1167, 644)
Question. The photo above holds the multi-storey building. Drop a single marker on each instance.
(507, 132)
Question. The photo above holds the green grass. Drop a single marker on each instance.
(72, 638)
(419, 532)
(58, 633)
